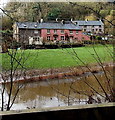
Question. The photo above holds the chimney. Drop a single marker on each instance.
(41, 20)
(62, 22)
(86, 20)
(71, 20)
(35, 25)
(56, 19)
(100, 19)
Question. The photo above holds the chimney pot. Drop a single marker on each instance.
(62, 21)
(41, 20)
(56, 19)
(71, 19)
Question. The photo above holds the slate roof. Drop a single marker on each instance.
(89, 22)
(48, 25)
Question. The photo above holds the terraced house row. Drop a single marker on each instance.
(39, 33)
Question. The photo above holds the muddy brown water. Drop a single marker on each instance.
(68, 91)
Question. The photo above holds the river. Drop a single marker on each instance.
(59, 92)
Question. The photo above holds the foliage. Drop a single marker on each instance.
(50, 11)
(112, 12)
(6, 23)
(16, 60)
(91, 17)
(108, 27)
(53, 14)
(104, 13)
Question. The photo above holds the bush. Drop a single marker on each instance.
(112, 12)
(14, 45)
(98, 37)
(87, 42)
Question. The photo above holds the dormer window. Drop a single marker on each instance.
(25, 25)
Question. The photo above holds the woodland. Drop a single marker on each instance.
(34, 11)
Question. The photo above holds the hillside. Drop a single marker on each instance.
(33, 11)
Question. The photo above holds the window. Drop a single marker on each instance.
(99, 25)
(62, 31)
(92, 30)
(62, 37)
(55, 38)
(48, 31)
(84, 30)
(100, 30)
(83, 38)
(76, 32)
(76, 38)
(71, 32)
(96, 29)
(36, 31)
(71, 37)
(55, 31)
(48, 37)
(36, 38)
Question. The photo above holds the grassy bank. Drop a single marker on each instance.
(58, 58)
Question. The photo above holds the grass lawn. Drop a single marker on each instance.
(58, 58)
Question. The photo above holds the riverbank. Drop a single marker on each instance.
(50, 92)
(60, 73)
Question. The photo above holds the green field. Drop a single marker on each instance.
(58, 58)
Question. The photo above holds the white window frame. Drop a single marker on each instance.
(62, 38)
(100, 30)
(48, 31)
(48, 37)
(77, 32)
(62, 31)
(35, 31)
(55, 31)
(71, 31)
(36, 38)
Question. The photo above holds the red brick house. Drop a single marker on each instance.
(47, 32)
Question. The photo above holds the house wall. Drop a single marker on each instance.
(79, 36)
(15, 32)
(24, 34)
(93, 28)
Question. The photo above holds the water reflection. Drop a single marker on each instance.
(52, 93)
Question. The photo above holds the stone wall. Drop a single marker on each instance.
(81, 112)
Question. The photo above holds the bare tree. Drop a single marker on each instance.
(107, 88)
(13, 74)
(9, 76)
